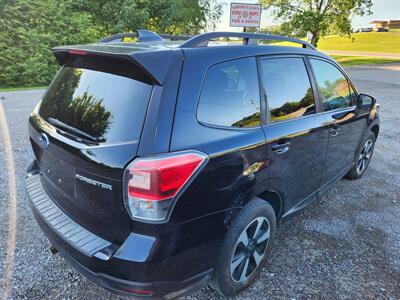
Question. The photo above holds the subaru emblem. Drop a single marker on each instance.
(43, 141)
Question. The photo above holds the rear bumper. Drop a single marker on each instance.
(123, 270)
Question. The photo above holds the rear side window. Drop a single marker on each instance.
(230, 95)
(287, 88)
(333, 86)
(97, 104)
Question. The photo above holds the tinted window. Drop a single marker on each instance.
(96, 105)
(230, 95)
(333, 86)
(287, 87)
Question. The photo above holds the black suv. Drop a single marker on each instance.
(160, 166)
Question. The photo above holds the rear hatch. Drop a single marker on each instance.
(92, 115)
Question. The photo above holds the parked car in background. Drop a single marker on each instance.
(158, 169)
(382, 29)
(368, 29)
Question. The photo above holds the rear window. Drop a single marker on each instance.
(98, 102)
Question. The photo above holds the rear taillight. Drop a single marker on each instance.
(152, 184)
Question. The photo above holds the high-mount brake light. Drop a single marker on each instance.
(77, 52)
(153, 183)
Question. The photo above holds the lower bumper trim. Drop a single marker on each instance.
(74, 234)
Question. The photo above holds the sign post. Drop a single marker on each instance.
(309, 36)
(245, 15)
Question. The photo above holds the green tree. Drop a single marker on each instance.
(318, 16)
(30, 28)
(280, 29)
(162, 16)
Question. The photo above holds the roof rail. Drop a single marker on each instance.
(144, 36)
(202, 40)
(178, 37)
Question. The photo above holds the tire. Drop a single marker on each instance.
(363, 157)
(235, 255)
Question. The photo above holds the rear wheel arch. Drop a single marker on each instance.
(375, 130)
(275, 199)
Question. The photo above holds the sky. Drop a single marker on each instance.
(381, 9)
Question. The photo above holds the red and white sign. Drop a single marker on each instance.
(245, 15)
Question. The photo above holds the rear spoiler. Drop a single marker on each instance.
(155, 62)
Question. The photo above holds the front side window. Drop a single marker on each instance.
(287, 88)
(333, 86)
(230, 95)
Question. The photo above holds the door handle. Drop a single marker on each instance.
(281, 148)
(334, 131)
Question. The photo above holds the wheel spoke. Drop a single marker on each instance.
(368, 146)
(243, 238)
(360, 163)
(257, 257)
(364, 149)
(244, 270)
(263, 236)
(259, 224)
(237, 261)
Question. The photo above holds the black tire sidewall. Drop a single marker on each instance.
(222, 280)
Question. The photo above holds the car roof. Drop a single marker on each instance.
(154, 56)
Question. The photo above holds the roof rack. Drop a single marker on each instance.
(144, 36)
(202, 40)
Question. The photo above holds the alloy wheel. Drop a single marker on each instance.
(364, 156)
(250, 249)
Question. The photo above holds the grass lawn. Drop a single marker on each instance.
(387, 42)
(346, 61)
(28, 88)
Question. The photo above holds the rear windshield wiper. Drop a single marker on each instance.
(73, 130)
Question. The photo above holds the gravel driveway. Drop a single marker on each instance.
(345, 246)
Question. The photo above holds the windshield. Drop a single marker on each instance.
(96, 105)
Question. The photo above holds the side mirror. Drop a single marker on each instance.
(365, 102)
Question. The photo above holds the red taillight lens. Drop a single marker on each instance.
(140, 292)
(163, 178)
(154, 182)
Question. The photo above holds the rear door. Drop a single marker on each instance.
(92, 115)
(345, 125)
(295, 132)
(220, 116)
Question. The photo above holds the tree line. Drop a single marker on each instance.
(30, 28)
(319, 17)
